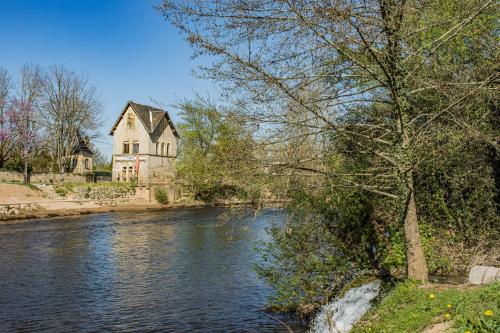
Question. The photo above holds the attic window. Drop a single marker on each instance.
(130, 119)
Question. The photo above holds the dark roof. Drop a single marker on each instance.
(142, 112)
(81, 146)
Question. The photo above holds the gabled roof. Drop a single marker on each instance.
(81, 146)
(150, 123)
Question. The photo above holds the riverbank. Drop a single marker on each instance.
(434, 308)
(36, 201)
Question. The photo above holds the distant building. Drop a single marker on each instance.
(144, 145)
(81, 157)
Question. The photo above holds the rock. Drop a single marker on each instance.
(483, 274)
(438, 328)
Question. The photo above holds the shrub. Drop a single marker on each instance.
(161, 196)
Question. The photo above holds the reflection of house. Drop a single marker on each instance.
(144, 145)
(81, 157)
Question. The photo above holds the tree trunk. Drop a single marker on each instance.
(25, 173)
(416, 263)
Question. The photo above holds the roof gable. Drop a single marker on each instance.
(81, 147)
(143, 113)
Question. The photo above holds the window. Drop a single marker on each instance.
(87, 164)
(130, 120)
(157, 147)
(130, 174)
(126, 147)
(163, 149)
(135, 148)
(168, 148)
(124, 174)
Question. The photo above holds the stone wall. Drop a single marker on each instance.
(102, 193)
(48, 178)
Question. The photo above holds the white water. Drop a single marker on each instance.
(340, 315)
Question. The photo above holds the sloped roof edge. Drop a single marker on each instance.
(142, 112)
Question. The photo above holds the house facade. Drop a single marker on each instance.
(144, 145)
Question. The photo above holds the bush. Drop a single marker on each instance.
(161, 196)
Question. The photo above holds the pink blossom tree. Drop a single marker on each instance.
(5, 143)
(22, 130)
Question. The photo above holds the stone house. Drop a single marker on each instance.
(144, 145)
(81, 157)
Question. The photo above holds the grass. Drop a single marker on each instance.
(410, 307)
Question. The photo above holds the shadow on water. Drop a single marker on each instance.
(156, 271)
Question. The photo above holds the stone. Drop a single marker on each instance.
(483, 274)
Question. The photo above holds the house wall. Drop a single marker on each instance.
(163, 134)
(124, 132)
(153, 168)
(80, 163)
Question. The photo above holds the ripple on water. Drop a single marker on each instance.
(167, 271)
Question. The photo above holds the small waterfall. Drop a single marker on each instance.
(340, 315)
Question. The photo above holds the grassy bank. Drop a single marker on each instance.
(411, 307)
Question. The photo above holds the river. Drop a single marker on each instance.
(178, 270)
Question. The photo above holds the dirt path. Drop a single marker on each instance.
(15, 194)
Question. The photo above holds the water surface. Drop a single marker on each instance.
(158, 271)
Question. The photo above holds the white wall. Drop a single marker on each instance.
(123, 132)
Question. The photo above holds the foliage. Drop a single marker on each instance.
(62, 191)
(101, 163)
(161, 196)
(410, 307)
(216, 157)
(327, 242)
(386, 98)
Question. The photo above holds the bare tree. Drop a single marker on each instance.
(71, 107)
(5, 142)
(22, 114)
(353, 70)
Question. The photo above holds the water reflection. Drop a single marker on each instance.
(165, 271)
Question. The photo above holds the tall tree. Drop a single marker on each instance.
(217, 153)
(23, 113)
(5, 142)
(71, 106)
(23, 131)
(357, 71)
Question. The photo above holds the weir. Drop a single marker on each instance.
(340, 315)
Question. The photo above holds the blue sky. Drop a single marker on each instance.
(126, 48)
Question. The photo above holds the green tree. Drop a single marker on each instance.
(216, 152)
(379, 80)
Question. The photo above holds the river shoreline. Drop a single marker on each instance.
(68, 212)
